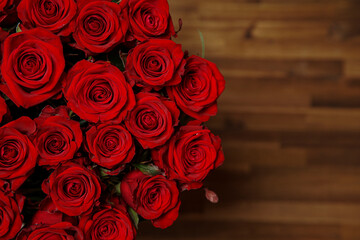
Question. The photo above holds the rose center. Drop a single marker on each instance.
(193, 85)
(74, 188)
(111, 142)
(106, 230)
(150, 20)
(55, 143)
(30, 63)
(9, 152)
(95, 25)
(100, 93)
(148, 120)
(48, 8)
(154, 65)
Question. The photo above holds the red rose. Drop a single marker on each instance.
(110, 146)
(190, 155)
(150, 19)
(10, 212)
(201, 86)
(32, 67)
(155, 63)
(109, 223)
(62, 230)
(17, 153)
(3, 108)
(58, 138)
(98, 92)
(154, 198)
(57, 16)
(100, 26)
(73, 188)
(152, 120)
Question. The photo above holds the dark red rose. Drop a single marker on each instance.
(10, 212)
(150, 19)
(155, 63)
(202, 84)
(58, 138)
(108, 223)
(152, 120)
(57, 16)
(73, 188)
(154, 198)
(100, 26)
(3, 108)
(190, 155)
(33, 67)
(17, 153)
(98, 92)
(58, 231)
(110, 146)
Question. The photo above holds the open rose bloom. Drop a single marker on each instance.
(101, 119)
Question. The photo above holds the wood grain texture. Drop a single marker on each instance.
(289, 119)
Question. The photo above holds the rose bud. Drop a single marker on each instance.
(98, 92)
(57, 16)
(73, 188)
(153, 197)
(150, 19)
(17, 153)
(155, 63)
(100, 26)
(110, 146)
(152, 120)
(190, 155)
(11, 218)
(61, 230)
(108, 223)
(58, 138)
(202, 84)
(33, 67)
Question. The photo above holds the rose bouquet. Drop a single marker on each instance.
(102, 118)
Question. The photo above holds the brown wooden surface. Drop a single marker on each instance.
(289, 119)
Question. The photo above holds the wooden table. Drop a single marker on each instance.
(289, 119)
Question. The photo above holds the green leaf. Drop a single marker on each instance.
(18, 29)
(72, 114)
(83, 123)
(103, 172)
(91, 59)
(149, 169)
(117, 189)
(134, 216)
